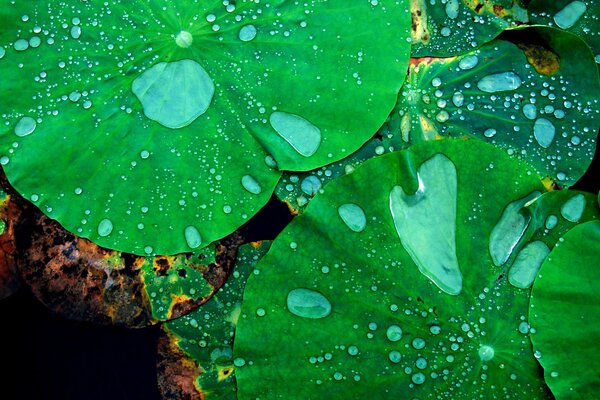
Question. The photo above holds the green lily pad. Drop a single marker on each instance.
(565, 315)
(535, 98)
(143, 125)
(385, 285)
(579, 17)
(445, 28)
(205, 336)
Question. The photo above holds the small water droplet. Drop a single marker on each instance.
(251, 184)
(394, 333)
(25, 126)
(418, 343)
(395, 356)
(21, 45)
(551, 221)
(192, 237)
(76, 32)
(353, 350)
(418, 378)
(261, 312)
(184, 39)
(353, 216)
(486, 353)
(308, 303)
(247, 33)
(105, 227)
(468, 62)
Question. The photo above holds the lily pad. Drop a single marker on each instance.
(102, 131)
(565, 315)
(445, 28)
(579, 17)
(397, 295)
(536, 98)
(203, 340)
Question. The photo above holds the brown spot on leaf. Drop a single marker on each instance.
(10, 215)
(419, 28)
(177, 372)
(544, 60)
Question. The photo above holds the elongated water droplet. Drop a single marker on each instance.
(527, 264)
(544, 131)
(509, 230)
(105, 227)
(551, 221)
(499, 82)
(353, 216)
(570, 14)
(76, 32)
(247, 33)
(192, 237)
(25, 126)
(303, 136)
(530, 111)
(251, 184)
(174, 94)
(426, 222)
(573, 208)
(468, 62)
(308, 303)
(452, 9)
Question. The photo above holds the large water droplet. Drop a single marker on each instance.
(311, 185)
(251, 184)
(468, 62)
(426, 222)
(530, 111)
(570, 14)
(394, 333)
(303, 136)
(544, 131)
(527, 264)
(76, 32)
(174, 94)
(21, 45)
(499, 82)
(25, 126)
(247, 33)
(486, 353)
(509, 230)
(308, 303)
(353, 216)
(573, 208)
(452, 9)
(105, 227)
(192, 237)
(184, 39)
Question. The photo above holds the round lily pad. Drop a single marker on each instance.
(564, 314)
(386, 287)
(143, 125)
(445, 28)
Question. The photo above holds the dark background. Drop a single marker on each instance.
(44, 356)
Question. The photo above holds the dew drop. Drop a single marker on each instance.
(573, 208)
(308, 303)
(486, 353)
(395, 356)
(2, 52)
(570, 14)
(311, 185)
(148, 249)
(418, 343)
(353, 350)
(76, 32)
(105, 227)
(490, 133)
(25, 126)
(394, 333)
(499, 82)
(418, 378)
(452, 9)
(21, 45)
(184, 39)
(247, 33)
(530, 111)
(353, 216)
(468, 62)
(303, 136)
(551, 221)
(192, 237)
(527, 264)
(251, 184)
(544, 131)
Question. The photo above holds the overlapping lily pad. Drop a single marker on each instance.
(390, 289)
(565, 313)
(445, 28)
(199, 362)
(142, 125)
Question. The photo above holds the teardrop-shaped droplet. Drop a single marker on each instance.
(353, 216)
(573, 208)
(105, 227)
(251, 184)
(544, 131)
(501, 82)
(303, 136)
(192, 237)
(468, 62)
(570, 14)
(527, 264)
(308, 303)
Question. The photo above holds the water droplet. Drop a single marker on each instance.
(353, 216)
(458, 99)
(573, 208)
(524, 328)
(239, 362)
(551, 221)
(25, 126)
(418, 378)
(308, 303)
(34, 42)
(418, 343)
(4, 160)
(527, 264)
(184, 39)
(261, 312)
(544, 131)
(509, 230)
(2, 52)
(74, 96)
(452, 9)
(338, 376)
(530, 111)
(435, 329)
(486, 353)
(76, 32)
(499, 82)
(251, 184)
(353, 350)
(394, 333)
(105, 227)
(490, 133)
(303, 136)
(21, 45)
(174, 94)
(311, 185)
(247, 33)
(192, 237)
(395, 356)
(148, 249)
(570, 14)
(431, 212)
(468, 62)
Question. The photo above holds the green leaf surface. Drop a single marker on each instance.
(579, 17)
(537, 99)
(354, 299)
(565, 313)
(101, 129)
(206, 335)
(444, 28)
